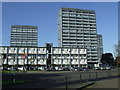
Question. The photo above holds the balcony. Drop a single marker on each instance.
(10, 57)
(79, 26)
(93, 26)
(41, 52)
(86, 26)
(86, 23)
(72, 38)
(85, 13)
(72, 19)
(79, 22)
(65, 18)
(92, 23)
(13, 52)
(72, 34)
(93, 61)
(65, 12)
(65, 37)
(72, 15)
(32, 52)
(92, 17)
(65, 21)
(72, 25)
(65, 41)
(65, 15)
(92, 14)
(65, 25)
(72, 42)
(85, 19)
(92, 20)
(94, 54)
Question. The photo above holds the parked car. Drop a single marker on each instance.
(53, 69)
(66, 69)
(96, 68)
(20, 68)
(71, 68)
(85, 69)
(102, 68)
(50, 69)
(60, 69)
(43, 69)
(9, 68)
(108, 68)
(113, 67)
(78, 69)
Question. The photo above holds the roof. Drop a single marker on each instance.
(79, 9)
(28, 26)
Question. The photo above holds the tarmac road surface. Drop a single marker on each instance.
(57, 79)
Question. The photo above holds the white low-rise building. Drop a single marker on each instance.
(43, 56)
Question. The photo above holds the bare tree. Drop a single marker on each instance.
(117, 53)
(117, 49)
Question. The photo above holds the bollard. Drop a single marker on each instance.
(66, 82)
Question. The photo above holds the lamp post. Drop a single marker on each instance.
(1, 61)
(70, 57)
(14, 70)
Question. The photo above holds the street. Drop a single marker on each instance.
(58, 79)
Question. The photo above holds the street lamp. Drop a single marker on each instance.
(14, 70)
(70, 57)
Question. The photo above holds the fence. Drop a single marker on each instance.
(59, 79)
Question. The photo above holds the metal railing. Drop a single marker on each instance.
(60, 79)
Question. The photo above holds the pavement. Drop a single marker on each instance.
(109, 83)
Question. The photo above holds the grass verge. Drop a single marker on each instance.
(6, 83)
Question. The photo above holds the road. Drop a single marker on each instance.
(58, 79)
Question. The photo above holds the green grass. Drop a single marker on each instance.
(11, 82)
(116, 74)
(18, 71)
(9, 71)
(34, 70)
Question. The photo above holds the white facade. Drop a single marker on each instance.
(67, 56)
(38, 56)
